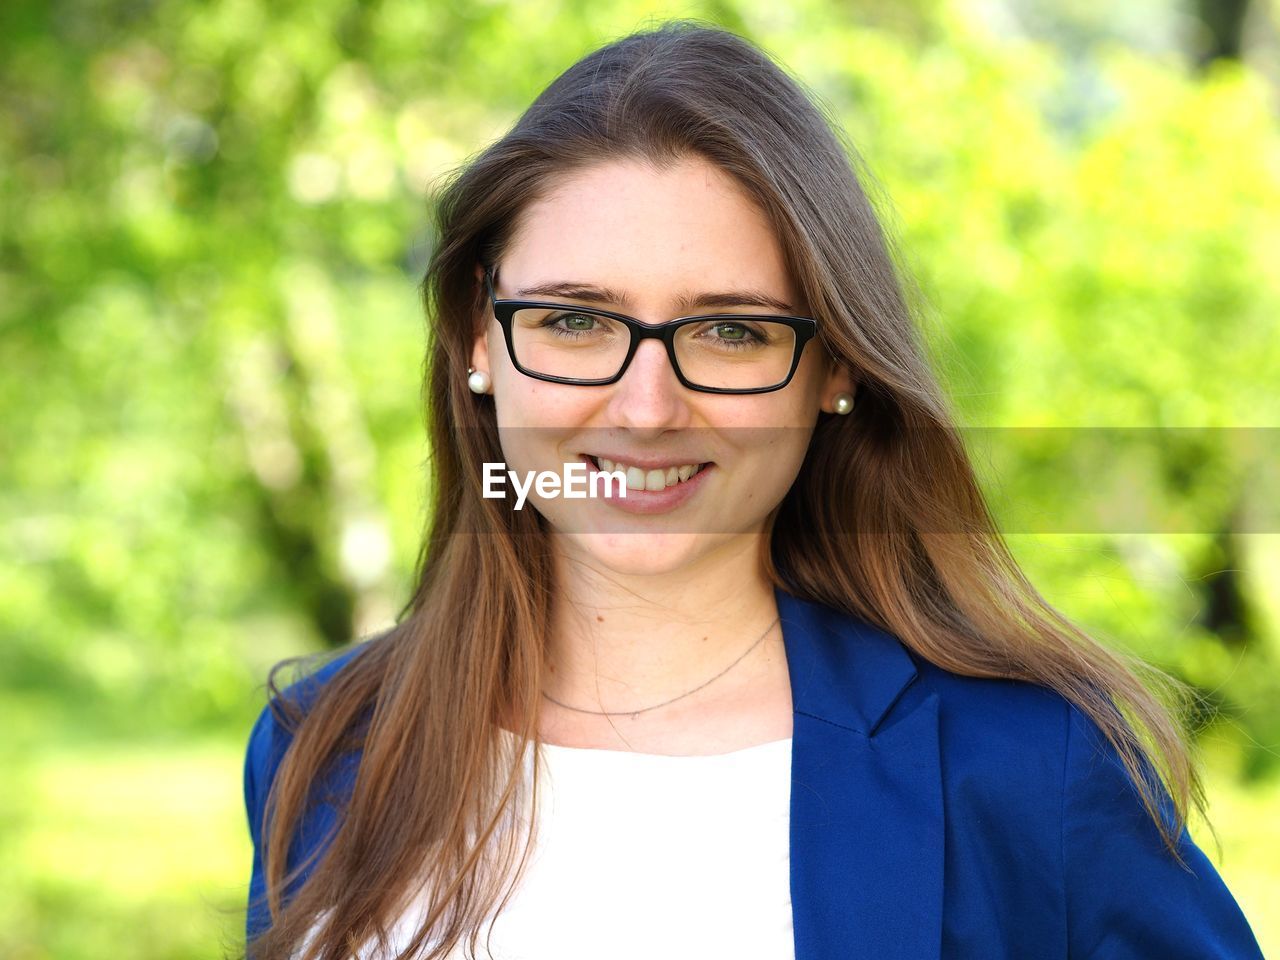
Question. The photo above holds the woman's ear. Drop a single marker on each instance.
(480, 353)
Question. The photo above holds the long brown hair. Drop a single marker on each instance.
(885, 521)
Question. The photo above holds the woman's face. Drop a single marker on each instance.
(648, 239)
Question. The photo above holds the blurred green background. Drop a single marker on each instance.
(211, 454)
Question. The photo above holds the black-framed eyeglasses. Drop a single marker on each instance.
(712, 353)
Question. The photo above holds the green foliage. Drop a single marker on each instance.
(213, 218)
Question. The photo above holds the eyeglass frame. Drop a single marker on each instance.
(805, 329)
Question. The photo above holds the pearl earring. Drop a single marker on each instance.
(843, 403)
(478, 380)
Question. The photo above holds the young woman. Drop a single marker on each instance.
(793, 695)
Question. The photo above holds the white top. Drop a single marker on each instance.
(642, 855)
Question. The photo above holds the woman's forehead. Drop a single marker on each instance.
(628, 224)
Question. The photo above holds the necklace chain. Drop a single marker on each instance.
(634, 713)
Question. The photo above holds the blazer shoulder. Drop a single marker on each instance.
(270, 737)
(1035, 776)
(268, 742)
(1003, 719)
(1001, 711)
(1030, 752)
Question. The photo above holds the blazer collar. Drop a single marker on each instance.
(843, 670)
(867, 819)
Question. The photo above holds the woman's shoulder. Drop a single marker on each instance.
(1028, 756)
(1032, 786)
(272, 732)
(1023, 730)
(1033, 775)
(999, 712)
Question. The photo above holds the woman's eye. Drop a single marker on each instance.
(570, 322)
(727, 332)
(731, 331)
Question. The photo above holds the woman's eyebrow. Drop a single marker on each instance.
(574, 291)
(735, 298)
(591, 293)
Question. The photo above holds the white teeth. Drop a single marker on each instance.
(657, 479)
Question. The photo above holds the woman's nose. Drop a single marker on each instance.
(650, 394)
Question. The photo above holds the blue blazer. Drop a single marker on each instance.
(932, 816)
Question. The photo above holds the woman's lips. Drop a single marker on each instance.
(652, 501)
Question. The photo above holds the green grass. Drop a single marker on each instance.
(137, 846)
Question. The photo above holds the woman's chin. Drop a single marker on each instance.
(640, 553)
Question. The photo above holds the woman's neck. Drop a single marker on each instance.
(623, 643)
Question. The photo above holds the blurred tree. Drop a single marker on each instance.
(1223, 22)
(210, 212)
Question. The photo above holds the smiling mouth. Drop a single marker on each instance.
(655, 479)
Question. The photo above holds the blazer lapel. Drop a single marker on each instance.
(867, 839)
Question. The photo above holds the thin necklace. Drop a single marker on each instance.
(635, 713)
